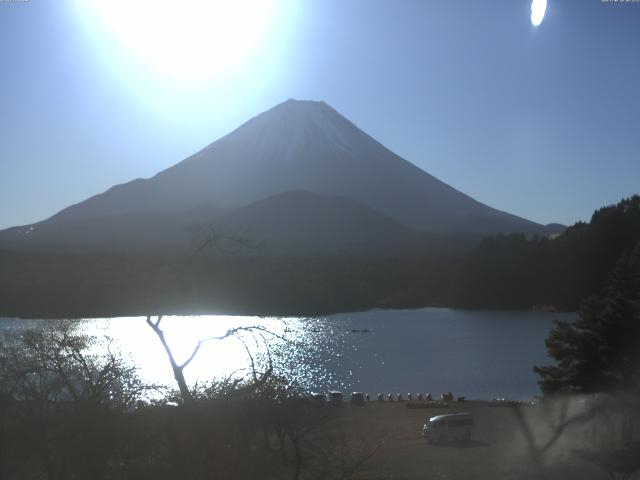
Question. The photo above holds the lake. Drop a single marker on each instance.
(478, 354)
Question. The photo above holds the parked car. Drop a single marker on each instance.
(357, 398)
(319, 398)
(455, 426)
(335, 397)
(446, 397)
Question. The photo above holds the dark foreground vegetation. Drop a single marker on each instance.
(505, 272)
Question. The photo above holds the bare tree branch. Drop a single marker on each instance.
(207, 237)
(178, 369)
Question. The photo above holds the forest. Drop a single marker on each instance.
(512, 271)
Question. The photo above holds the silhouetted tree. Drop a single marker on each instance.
(598, 352)
(65, 404)
(186, 394)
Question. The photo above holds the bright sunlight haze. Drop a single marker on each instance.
(189, 41)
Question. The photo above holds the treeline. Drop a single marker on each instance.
(91, 285)
(511, 271)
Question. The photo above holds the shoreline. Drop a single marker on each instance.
(249, 313)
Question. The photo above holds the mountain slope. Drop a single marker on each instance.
(117, 232)
(302, 145)
(290, 223)
(298, 222)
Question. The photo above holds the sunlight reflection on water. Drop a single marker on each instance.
(479, 354)
(298, 347)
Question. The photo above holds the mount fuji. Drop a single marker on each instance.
(298, 164)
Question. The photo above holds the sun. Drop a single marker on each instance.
(187, 40)
(538, 8)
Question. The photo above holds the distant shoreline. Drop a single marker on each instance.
(287, 315)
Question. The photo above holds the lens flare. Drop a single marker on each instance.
(538, 8)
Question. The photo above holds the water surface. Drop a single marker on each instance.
(479, 354)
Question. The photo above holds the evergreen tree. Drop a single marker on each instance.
(600, 350)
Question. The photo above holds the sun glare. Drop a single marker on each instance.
(538, 9)
(188, 40)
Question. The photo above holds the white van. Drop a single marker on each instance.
(455, 426)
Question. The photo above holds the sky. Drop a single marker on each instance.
(543, 122)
